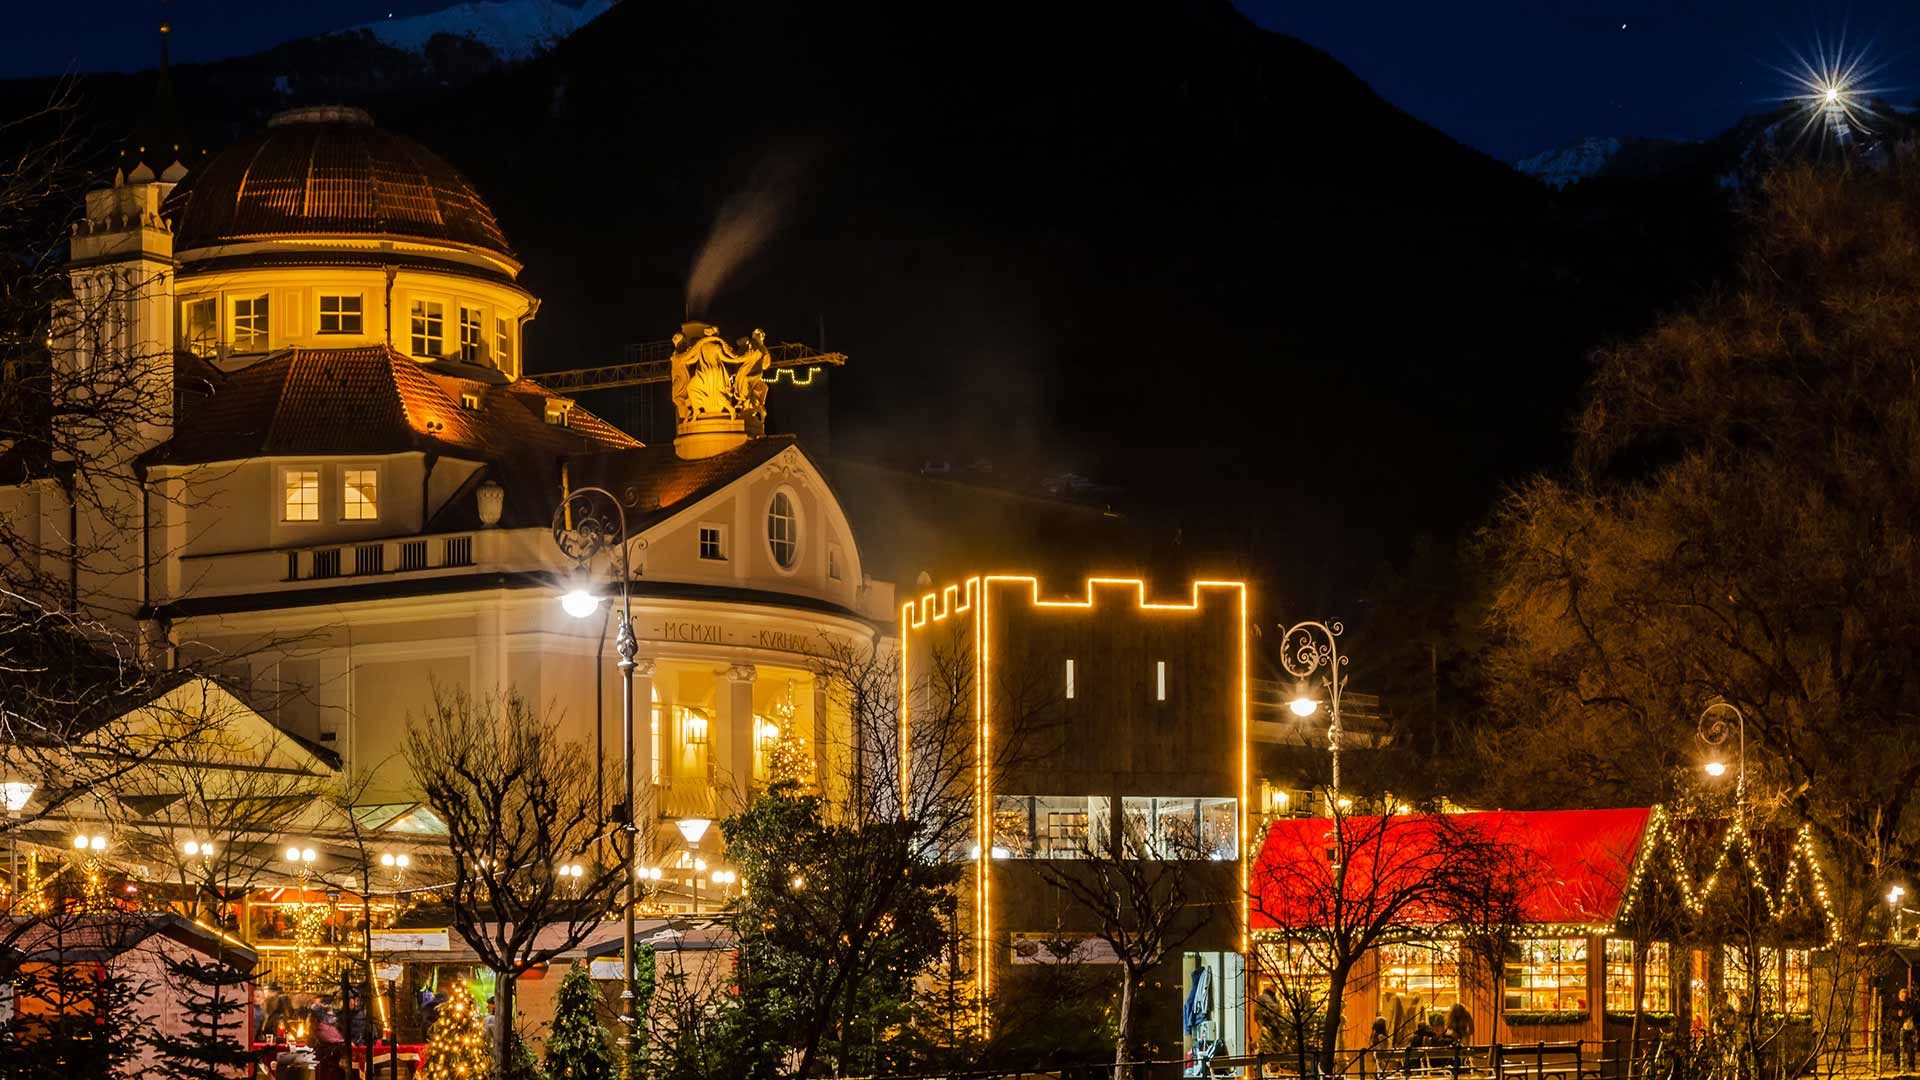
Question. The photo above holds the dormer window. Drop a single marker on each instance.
(470, 337)
(300, 494)
(503, 344)
(470, 401)
(200, 326)
(559, 411)
(341, 314)
(360, 494)
(429, 325)
(250, 323)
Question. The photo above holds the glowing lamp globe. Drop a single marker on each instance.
(1716, 768)
(17, 793)
(1303, 706)
(579, 603)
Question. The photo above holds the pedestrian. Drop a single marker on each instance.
(430, 1003)
(1459, 1029)
(275, 1011)
(1905, 1042)
(329, 1044)
(492, 1023)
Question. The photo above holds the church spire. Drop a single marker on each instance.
(157, 147)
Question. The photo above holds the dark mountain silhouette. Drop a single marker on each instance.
(1155, 246)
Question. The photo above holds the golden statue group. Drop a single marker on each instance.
(712, 380)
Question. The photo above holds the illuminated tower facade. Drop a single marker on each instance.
(1108, 725)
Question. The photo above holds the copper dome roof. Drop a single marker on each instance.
(329, 170)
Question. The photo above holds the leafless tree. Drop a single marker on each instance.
(1351, 885)
(518, 806)
(81, 399)
(1147, 896)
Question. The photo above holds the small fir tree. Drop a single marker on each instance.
(86, 1017)
(457, 1046)
(579, 1048)
(212, 995)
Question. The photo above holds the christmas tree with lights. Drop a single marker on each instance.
(578, 1048)
(457, 1046)
(789, 761)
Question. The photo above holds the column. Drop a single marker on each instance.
(646, 738)
(826, 764)
(733, 735)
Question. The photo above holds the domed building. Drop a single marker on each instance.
(347, 495)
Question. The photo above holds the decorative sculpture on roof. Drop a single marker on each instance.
(712, 380)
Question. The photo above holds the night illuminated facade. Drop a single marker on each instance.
(351, 485)
(1107, 718)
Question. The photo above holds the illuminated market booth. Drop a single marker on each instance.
(1629, 923)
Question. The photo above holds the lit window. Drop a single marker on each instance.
(1428, 972)
(429, 328)
(1182, 827)
(359, 494)
(713, 544)
(300, 495)
(783, 530)
(502, 344)
(1656, 980)
(1737, 980)
(470, 335)
(1070, 687)
(1159, 680)
(200, 326)
(557, 411)
(1796, 981)
(1049, 826)
(1549, 976)
(340, 314)
(1297, 973)
(470, 401)
(250, 323)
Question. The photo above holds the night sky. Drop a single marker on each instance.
(1510, 77)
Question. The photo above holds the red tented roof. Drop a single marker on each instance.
(1574, 864)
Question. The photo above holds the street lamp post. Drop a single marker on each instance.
(1714, 730)
(580, 536)
(1318, 651)
(691, 830)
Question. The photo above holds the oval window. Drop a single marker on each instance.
(783, 530)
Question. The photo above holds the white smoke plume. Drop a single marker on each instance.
(746, 221)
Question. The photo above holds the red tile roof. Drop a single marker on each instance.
(370, 400)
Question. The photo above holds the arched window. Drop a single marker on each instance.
(783, 530)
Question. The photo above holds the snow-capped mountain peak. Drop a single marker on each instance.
(1571, 163)
(512, 29)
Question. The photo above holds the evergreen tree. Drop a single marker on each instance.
(579, 1048)
(457, 1046)
(212, 995)
(85, 1018)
